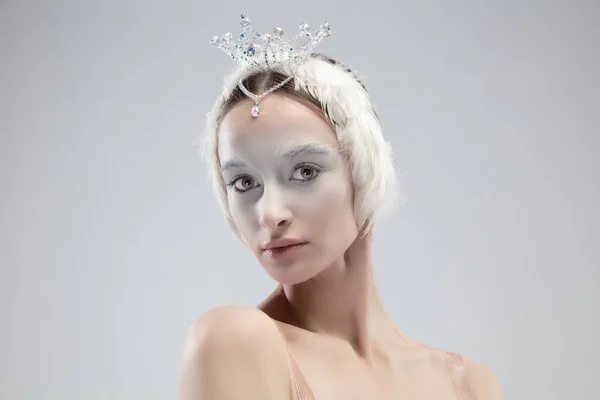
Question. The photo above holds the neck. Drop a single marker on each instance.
(343, 302)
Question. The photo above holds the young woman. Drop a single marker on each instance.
(302, 179)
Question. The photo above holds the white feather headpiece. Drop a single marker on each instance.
(347, 105)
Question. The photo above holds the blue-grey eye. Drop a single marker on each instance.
(305, 172)
(247, 183)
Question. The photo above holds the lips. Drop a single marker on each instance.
(285, 247)
(282, 243)
(282, 253)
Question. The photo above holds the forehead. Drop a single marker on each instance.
(281, 121)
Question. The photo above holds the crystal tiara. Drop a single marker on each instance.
(253, 49)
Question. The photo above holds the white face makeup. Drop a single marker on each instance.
(286, 179)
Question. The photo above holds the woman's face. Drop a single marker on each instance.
(286, 179)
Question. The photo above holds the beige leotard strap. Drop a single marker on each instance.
(460, 377)
(300, 388)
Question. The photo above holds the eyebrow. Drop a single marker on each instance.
(232, 164)
(295, 149)
(290, 151)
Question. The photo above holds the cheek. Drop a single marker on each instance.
(241, 212)
(331, 208)
(332, 225)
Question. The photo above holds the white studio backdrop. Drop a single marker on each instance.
(111, 241)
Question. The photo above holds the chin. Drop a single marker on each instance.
(290, 273)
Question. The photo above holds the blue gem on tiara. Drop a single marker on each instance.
(275, 50)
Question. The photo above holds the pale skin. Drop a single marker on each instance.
(326, 310)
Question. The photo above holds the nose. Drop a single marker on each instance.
(273, 211)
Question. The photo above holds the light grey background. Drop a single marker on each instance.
(111, 242)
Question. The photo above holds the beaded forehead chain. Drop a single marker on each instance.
(253, 49)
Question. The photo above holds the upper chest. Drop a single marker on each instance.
(412, 374)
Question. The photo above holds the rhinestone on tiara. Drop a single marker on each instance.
(253, 49)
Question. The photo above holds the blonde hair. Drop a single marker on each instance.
(338, 95)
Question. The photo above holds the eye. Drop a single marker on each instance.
(242, 184)
(305, 173)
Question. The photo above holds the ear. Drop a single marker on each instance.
(363, 229)
(359, 251)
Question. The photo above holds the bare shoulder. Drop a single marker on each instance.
(473, 377)
(469, 376)
(484, 383)
(240, 324)
(234, 352)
